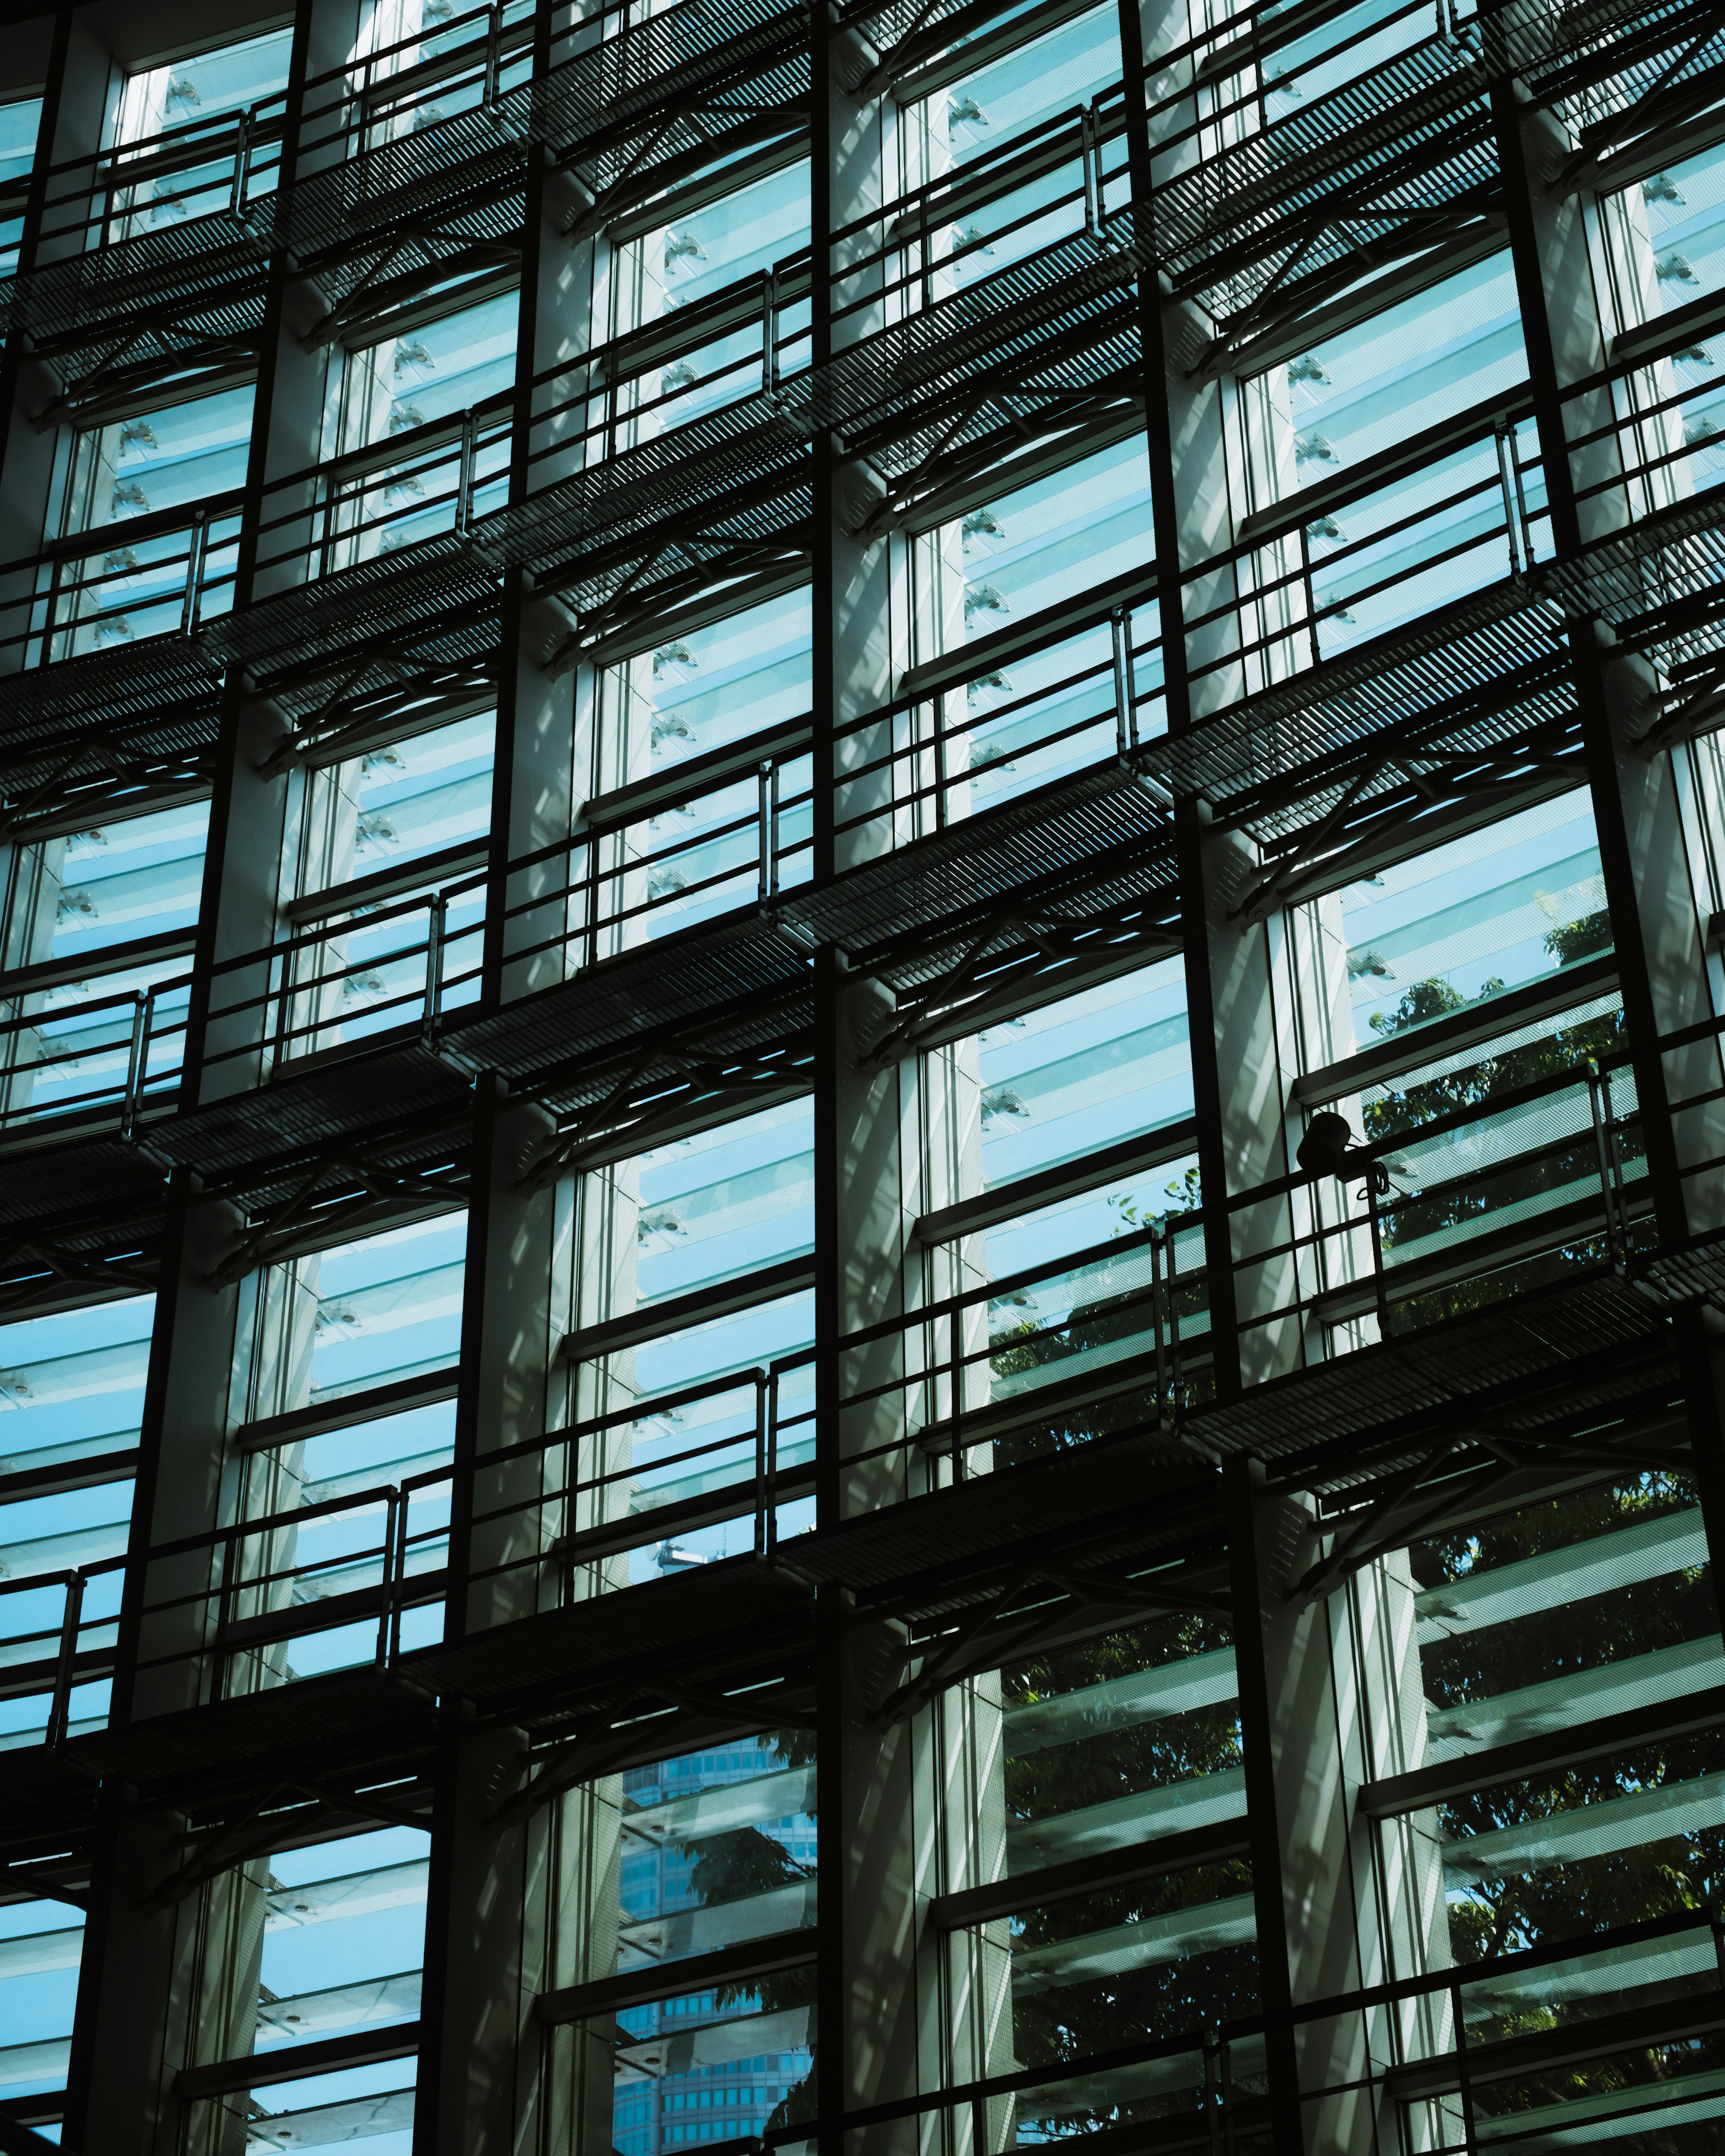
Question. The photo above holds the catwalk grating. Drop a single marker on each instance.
(155, 702)
(1407, 142)
(1660, 585)
(419, 196)
(1593, 1338)
(358, 1717)
(159, 294)
(732, 1615)
(1601, 60)
(356, 1100)
(101, 1182)
(1043, 853)
(672, 90)
(1489, 671)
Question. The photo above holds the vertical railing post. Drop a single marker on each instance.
(1613, 1145)
(60, 1715)
(1157, 1314)
(1091, 159)
(284, 1006)
(1176, 1372)
(494, 54)
(436, 922)
(134, 1061)
(1504, 435)
(463, 477)
(194, 575)
(769, 333)
(400, 1571)
(242, 163)
(1383, 1292)
(1463, 2074)
(54, 571)
(1226, 2064)
(1311, 591)
(764, 819)
(326, 545)
(386, 1592)
(226, 1546)
(1515, 472)
(1608, 1196)
(763, 1480)
(773, 1376)
(1126, 717)
(922, 247)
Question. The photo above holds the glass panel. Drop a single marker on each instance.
(226, 79)
(1043, 78)
(173, 457)
(387, 1307)
(344, 1943)
(725, 1202)
(1129, 1737)
(1566, 1615)
(398, 802)
(1602, 1602)
(142, 875)
(72, 1384)
(1503, 906)
(1355, 396)
(1124, 1740)
(711, 1208)
(1067, 1079)
(718, 685)
(71, 1388)
(1682, 212)
(20, 120)
(435, 372)
(1030, 546)
(41, 1949)
(718, 1847)
(1368, 389)
(720, 243)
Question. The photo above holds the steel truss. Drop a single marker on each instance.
(1481, 700)
(1566, 1389)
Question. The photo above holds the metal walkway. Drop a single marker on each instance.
(1284, 211)
(1490, 678)
(174, 290)
(1077, 1540)
(142, 713)
(683, 87)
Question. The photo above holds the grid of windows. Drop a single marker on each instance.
(860, 1097)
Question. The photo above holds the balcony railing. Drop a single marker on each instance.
(154, 576)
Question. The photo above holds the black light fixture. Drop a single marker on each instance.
(1329, 1148)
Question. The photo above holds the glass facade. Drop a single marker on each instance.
(861, 1118)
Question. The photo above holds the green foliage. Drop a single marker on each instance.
(1500, 1916)
(1075, 2020)
(1017, 1350)
(1569, 1166)
(728, 1866)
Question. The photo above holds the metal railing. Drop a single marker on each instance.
(56, 1063)
(622, 884)
(218, 164)
(429, 478)
(554, 1516)
(50, 1661)
(159, 574)
(911, 769)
